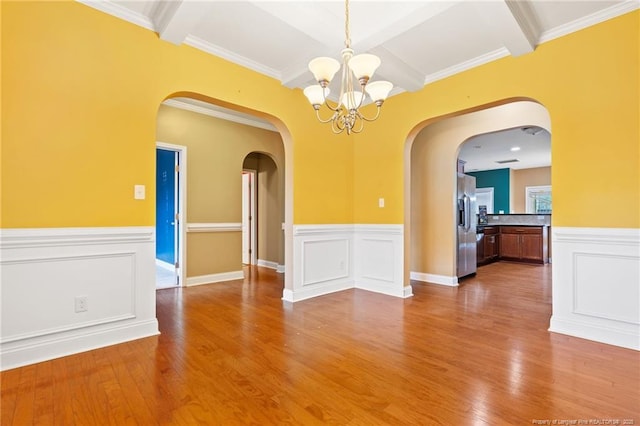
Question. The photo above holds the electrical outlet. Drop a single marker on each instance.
(82, 304)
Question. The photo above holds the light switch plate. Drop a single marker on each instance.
(138, 192)
(381, 202)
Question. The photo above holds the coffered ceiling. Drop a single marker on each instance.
(418, 41)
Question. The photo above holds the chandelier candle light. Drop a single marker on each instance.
(346, 112)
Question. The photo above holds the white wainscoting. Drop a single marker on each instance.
(379, 259)
(330, 258)
(45, 270)
(596, 284)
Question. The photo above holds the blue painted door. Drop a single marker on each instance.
(166, 196)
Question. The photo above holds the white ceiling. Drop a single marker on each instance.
(484, 152)
(418, 41)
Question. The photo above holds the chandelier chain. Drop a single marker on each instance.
(347, 32)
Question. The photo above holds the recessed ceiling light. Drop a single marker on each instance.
(515, 148)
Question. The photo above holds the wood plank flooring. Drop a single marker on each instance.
(235, 353)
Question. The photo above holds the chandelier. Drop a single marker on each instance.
(345, 113)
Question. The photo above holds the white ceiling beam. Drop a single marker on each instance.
(313, 19)
(175, 20)
(396, 71)
(512, 23)
(412, 18)
(316, 24)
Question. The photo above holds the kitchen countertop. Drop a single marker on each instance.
(518, 220)
(531, 225)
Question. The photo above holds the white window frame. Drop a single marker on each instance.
(529, 195)
(488, 193)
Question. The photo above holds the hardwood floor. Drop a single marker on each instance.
(235, 353)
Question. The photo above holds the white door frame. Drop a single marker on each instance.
(253, 222)
(181, 202)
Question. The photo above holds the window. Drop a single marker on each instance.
(538, 199)
(484, 197)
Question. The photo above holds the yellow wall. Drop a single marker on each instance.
(81, 92)
(589, 83)
(81, 95)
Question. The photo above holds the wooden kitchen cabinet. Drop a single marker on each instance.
(491, 244)
(480, 247)
(524, 243)
(488, 245)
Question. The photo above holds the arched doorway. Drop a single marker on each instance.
(430, 183)
(218, 147)
(263, 212)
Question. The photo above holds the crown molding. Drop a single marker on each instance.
(218, 112)
(120, 12)
(593, 19)
(212, 49)
(467, 65)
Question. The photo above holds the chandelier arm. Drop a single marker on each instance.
(330, 119)
(362, 86)
(335, 109)
(374, 118)
(335, 126)
(358, 118)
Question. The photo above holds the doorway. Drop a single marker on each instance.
(430, 176)
(169, 192)
(262, 205)
(249, 228)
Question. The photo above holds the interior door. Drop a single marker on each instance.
(167, 208)
(246, 217)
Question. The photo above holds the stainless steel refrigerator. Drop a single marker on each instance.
(466, 225)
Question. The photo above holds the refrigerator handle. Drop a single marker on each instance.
(461, 211)
(464, 216)
(467, 212)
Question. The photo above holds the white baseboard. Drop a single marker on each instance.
(112, 268)
(271, 265)
(435, 279)
(214, 278)
(19, 354)
(308, 293)
(604, 334)
(596, 284)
